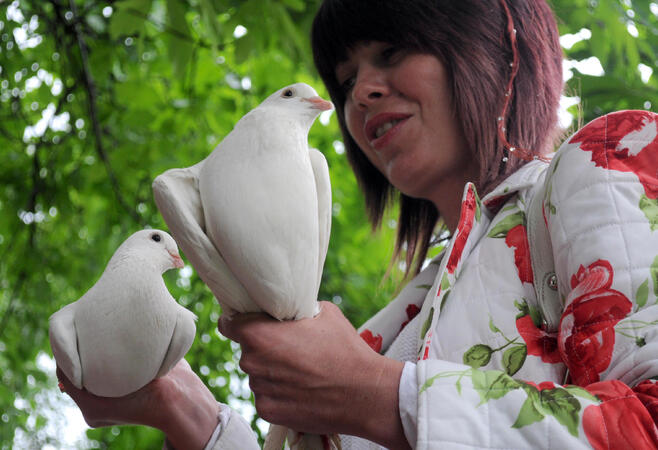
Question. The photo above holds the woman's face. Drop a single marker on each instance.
(398, 110)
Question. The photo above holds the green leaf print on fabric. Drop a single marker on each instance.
(444, 299)
(560, 404)
(427, 324)
(653, 271)
(649, 207)
(492, 384)
(477, 356)
(513, 358)
(545, 399)
(445, 283)
(529, 414)
(549, 189)
(424, 286)
(642, 294)
(501, 229)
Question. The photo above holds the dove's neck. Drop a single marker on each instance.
(278, 119)
(142, 262)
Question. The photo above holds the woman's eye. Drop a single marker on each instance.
(347, 85)
(389, 53)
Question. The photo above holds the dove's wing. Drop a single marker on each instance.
(177, 195)
(181, 340)
(64, 342)
(323, 187)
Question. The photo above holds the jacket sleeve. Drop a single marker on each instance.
(232, 432)
(601, 209)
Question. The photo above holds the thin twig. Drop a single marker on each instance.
(90, 88)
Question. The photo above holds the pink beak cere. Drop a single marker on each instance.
(178, 261)
(320, 103)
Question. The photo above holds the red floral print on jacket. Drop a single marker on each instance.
(517, 238)
(412, 311)
(466, 217)
(647, 392)
(374, 341)
(541, 386)
(626, 141)
(586, 335)
(620, 421)
(537, 341)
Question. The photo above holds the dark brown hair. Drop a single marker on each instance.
(470, 38)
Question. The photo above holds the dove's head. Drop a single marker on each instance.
(154, 247)
(298, 99)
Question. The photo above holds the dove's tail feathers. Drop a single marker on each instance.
(64, 343)
(276, 437)
(181, 340)
(176, 193)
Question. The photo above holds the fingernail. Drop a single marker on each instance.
(61, 386)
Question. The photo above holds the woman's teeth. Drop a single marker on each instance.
(385, 127)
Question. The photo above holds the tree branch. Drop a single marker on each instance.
(90, 88)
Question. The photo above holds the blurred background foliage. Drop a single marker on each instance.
(97, 97)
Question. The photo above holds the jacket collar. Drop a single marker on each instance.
(523, 178)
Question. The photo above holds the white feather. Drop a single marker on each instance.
(254, 217)
(127, 329)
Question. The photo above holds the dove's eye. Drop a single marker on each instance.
(287, 93)
(156, 237)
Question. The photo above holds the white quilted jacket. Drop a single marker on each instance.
(493, 370)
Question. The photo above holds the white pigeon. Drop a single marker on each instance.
(127, 329)
(254, 217)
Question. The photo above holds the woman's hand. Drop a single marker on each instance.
(178, 403)
(318, 376)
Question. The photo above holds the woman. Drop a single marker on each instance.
(446, 103)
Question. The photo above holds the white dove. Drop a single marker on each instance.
(127, 329)
(254, 217)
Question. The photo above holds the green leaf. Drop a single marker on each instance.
(560, 404)
(501, 229)
(424, 286)
(297, 5)
(528, 414)
(513, 359)
(427, 324)
(493, 327)
(492, 384)
(444, 299)
(180, 42)
(445, 284)
(649, 207)
(580, 392)
(642, 294)
(653, 270)
(129, 17)
(477, 356)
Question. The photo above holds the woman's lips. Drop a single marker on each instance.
(383, 127)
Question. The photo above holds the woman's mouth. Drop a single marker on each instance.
(383, 127)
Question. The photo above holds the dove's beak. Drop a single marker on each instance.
(320, 103)
(178, 261)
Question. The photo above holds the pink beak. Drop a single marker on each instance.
(178, 261)
(320, 103)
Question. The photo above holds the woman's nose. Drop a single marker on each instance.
(370, 86)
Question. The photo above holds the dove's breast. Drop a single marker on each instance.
(261, 212)
(124, 325)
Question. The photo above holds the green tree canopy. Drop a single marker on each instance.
(97, 97)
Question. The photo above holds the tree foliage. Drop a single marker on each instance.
(99, 97)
